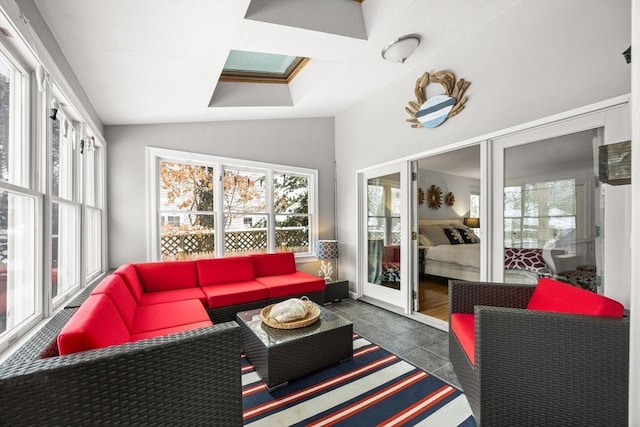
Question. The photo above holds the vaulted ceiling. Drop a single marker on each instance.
(158, 61)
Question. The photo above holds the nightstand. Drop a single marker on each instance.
(336, 291)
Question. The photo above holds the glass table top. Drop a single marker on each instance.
(271, 337)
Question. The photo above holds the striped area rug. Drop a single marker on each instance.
(375, 388)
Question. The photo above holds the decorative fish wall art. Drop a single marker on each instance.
(432, 112)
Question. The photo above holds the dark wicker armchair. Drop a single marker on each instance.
(189, 378)
(535, 368)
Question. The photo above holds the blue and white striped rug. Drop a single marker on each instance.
(375, 388)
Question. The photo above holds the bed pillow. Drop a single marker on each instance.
(468, 235)
(435, 235)
(529, 259)
(423, 241)
(454, 236)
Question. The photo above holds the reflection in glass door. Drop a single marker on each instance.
(384, 205)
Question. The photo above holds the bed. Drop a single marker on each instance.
(456, 259)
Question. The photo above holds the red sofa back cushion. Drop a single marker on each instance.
(120, 295)
(167, 275)
(274, 264)
(224, 270)
(96, 324)
(551, 295)
(130, 277)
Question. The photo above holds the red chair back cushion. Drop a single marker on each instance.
(274, 264)
(551, 295)
(168, 275)
(96, 324)
(130, 277)
(224, 270)
(120, 295)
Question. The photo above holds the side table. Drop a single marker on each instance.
(336, 291)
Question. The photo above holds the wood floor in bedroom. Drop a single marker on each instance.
(434, 299)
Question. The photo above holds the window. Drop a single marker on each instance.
(65, 210)
(474, 205)
(384, 210)
(92, 156)
(19, 206)
(257, 207)
(187, 220)
(539, 213)
(258, 67)
(51, 195)
(291, 206)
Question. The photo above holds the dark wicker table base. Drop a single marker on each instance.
(294, 353)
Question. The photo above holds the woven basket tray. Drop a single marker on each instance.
(313, 314)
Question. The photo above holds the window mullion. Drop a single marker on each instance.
(218, 208)
(270, 210)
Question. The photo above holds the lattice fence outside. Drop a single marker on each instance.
(236, 241)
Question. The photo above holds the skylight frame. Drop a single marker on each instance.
(246, 76)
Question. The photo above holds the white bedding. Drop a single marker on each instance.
(467, 255)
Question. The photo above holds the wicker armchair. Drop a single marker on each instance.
(189, 378)
(535, 368)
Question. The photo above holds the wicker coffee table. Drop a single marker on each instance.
(280, 355)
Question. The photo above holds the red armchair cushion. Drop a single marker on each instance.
(149, 298)
(130, 277)
(274, 264)
(87, 328)
(167, 276)
(297, 283)
(551, 295)
(226, 294)
(463, 326)
(224, 270)
(172, 330)
(168, 315)
(120, 295)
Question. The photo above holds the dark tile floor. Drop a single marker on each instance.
(417, 343)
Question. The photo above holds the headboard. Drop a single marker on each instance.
(424, 222)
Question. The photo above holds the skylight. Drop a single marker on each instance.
(258, 67)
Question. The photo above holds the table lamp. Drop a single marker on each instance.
(327, 251)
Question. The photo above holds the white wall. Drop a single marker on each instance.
(305, 143)
(520, 70)
(460, 186)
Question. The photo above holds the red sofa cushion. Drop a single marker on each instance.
(149, 298)
(227, 294)
(167, 275)
(168, 315)
(551, 295)
(297, 283)
(224, 270)
(87, 328)
(130, 277)
(120, 295)
(172, 330)
(274, 264)
(463, 325)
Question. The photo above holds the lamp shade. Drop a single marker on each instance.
(327, 249)
(471, 222)
(402, 48)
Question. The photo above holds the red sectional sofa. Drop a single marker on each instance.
(152, 343)
(147, 300)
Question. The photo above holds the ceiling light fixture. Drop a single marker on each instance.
(401, 48)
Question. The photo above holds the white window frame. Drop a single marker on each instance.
(156, 155)
(21, 183)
